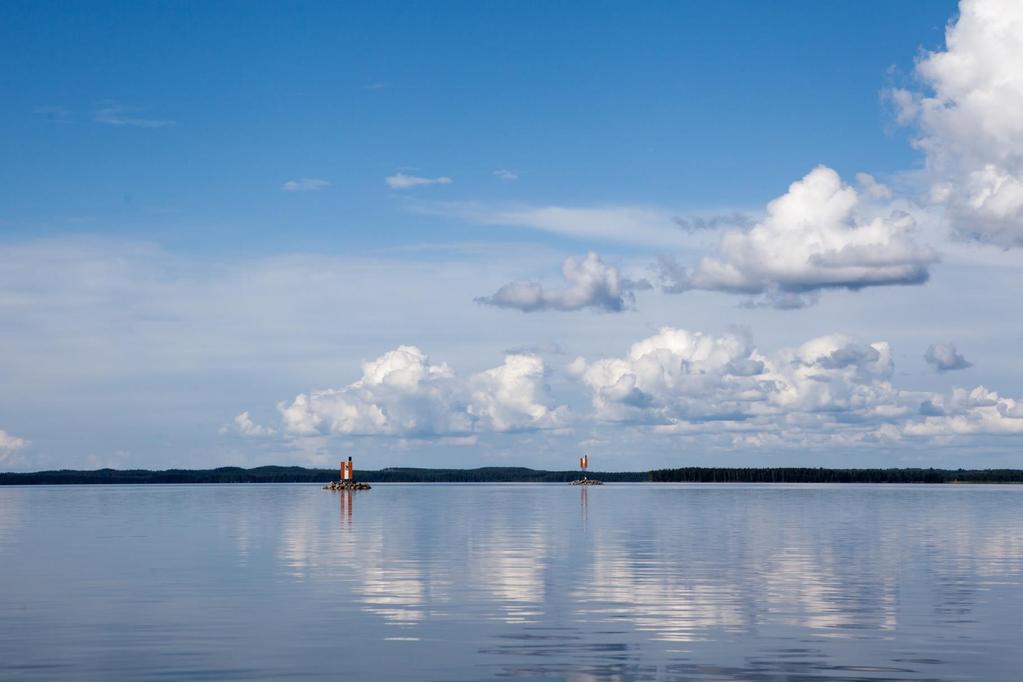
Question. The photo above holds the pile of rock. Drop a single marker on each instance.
(346, 485)
(587, 481)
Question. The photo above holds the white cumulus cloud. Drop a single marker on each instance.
(872, 188)
(818, 235)
(969, 122)
(829, 389)
(244, 426)
(9, 444)
(589, 283)
(510, 397)
(678, 375)
(402, 393)
(968, 413)
(404, 181)
(944, 357)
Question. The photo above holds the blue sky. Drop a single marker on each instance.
(208, 210)
(683, 104)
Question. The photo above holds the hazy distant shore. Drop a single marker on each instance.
(284, 474)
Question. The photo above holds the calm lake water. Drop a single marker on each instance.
(468, 582)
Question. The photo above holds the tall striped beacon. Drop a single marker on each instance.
(347, 471)
(584, 462)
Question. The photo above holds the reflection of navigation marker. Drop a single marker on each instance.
(347, 498)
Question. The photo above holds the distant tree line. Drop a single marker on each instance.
(279, 474)
(808, 475)
(267, 474)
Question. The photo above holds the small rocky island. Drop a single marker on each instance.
(584, 464)
(347, 481)
(346, 485)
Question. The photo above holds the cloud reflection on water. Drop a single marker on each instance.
(671, 583)
(551, 572)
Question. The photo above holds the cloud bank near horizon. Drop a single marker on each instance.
(830, 390)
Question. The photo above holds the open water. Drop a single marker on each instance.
(470, 582)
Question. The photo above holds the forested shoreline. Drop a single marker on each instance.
(821, 475)
(294, 474)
